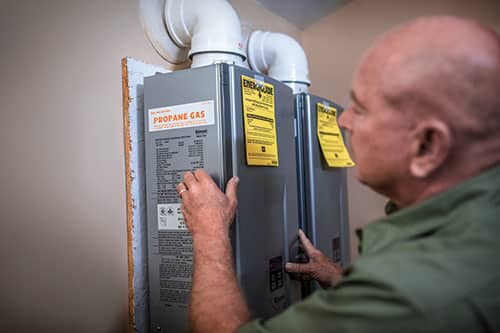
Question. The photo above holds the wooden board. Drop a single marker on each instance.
(133, 73)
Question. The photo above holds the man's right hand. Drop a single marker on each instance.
(319, 267)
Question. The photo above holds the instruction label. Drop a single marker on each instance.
(174, 154)
(330, 137)
(181, 116)
(259, 122)
(170, 217)
(175, 267)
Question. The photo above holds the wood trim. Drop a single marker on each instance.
(130, 204)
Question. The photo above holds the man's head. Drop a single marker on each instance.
(426, 108)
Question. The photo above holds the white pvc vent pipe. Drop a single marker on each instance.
(279, 56)
(209, 29)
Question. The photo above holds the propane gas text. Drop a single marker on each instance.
(181, 116)
(178, 117)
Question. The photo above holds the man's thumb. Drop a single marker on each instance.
(232, 188)
(297, 268)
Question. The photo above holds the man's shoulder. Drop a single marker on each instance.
(431, 275)
(454, 254)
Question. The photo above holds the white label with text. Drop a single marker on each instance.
(181, 116)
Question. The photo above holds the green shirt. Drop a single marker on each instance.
(431, 267)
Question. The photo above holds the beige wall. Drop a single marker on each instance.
(335, 44)
(63, 245)
(254, 16)
(63, 224)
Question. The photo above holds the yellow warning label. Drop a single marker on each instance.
(259, 122)
(330, 137)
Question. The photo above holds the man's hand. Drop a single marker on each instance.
(319, 267)
(217, 303)
(206, 209)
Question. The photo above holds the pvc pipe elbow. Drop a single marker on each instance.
(211, 28)
(279, 56)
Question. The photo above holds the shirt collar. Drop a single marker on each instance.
(390, 207)
(427, 216)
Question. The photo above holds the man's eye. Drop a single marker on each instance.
(357, 110)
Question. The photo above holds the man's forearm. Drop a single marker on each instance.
(217, 302)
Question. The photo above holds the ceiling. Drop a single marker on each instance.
(302, 13)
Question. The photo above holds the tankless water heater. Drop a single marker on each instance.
(229, 121)
(322, 188)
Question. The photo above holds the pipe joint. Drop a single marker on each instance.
(279, 56)
(209, 28)
(207, 31)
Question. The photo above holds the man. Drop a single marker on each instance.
(423, 129)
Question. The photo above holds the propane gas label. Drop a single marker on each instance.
(330, 137)
(181, 116)
(259, 121)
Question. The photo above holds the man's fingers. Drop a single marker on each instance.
(306, 243)
(297, 268)
(189, 180)
(202, 176)
(232, 188)
(180, 187)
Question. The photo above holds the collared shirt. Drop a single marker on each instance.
(431, 267)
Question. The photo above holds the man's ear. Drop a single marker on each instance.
(431, 146)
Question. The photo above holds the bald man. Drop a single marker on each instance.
(423, 128)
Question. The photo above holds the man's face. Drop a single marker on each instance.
(379, 136)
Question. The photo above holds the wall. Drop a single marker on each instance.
(63, 232)
(254, 16)
(63, 245)
(335, 44)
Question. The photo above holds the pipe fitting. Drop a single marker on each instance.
(207, 31)
(279, 56)
(210, 28)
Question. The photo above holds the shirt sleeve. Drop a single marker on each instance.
(359, 303)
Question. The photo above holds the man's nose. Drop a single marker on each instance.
(344, 119)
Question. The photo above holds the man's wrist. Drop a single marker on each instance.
(215, 240)
(210, 234)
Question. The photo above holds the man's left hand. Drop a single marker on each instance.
(207, 210)
(319, 267)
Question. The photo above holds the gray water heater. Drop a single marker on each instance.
(229, 121)
(322, 189)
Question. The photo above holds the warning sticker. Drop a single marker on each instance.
(330, 137)
(170, 217)
(181, 116)
(259, 122)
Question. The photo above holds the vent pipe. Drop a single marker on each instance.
(281, 57)
(207, 31)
